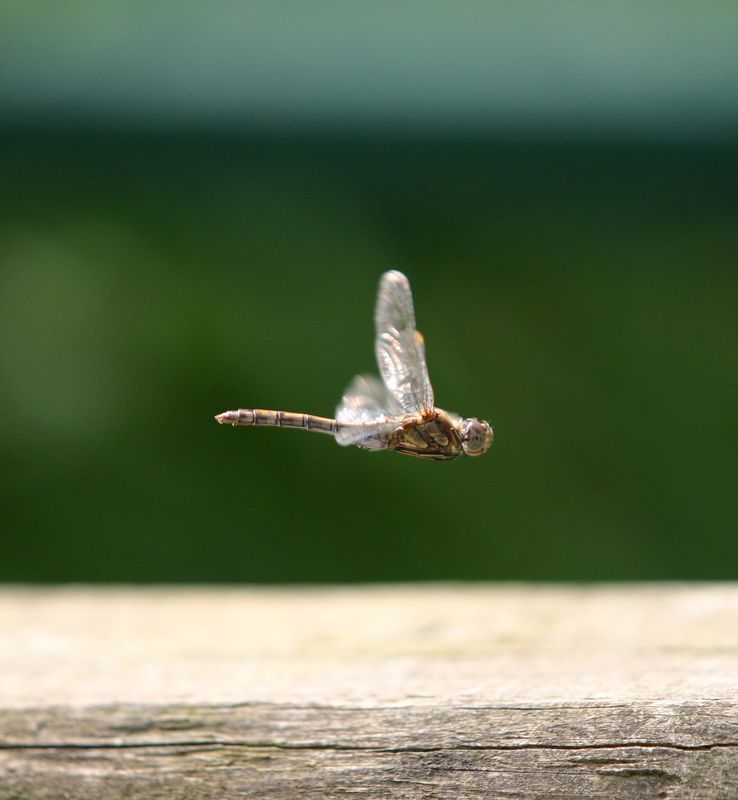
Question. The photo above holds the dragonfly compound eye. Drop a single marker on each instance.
(477, 437)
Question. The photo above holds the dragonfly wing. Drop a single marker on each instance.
(367, 409)
(399, 346)
(366, 400)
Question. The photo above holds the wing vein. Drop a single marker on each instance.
(399, 347)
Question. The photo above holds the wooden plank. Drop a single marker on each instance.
(440, 691)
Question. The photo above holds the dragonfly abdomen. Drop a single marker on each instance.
(267, 418)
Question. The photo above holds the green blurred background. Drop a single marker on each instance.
(196, 203)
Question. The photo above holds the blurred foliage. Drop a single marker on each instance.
(580, 296)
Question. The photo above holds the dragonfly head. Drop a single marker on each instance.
(477, 436)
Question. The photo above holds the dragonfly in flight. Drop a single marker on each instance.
(396, 413)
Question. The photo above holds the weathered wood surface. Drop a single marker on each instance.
(409, 692)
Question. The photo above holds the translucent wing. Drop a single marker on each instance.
(370, 411)
(399, 346)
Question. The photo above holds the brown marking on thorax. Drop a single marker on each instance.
(428, 435)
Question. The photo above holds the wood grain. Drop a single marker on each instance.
(430, 691)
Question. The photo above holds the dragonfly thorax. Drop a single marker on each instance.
(434, 435)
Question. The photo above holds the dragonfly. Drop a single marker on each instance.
(397, 412)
